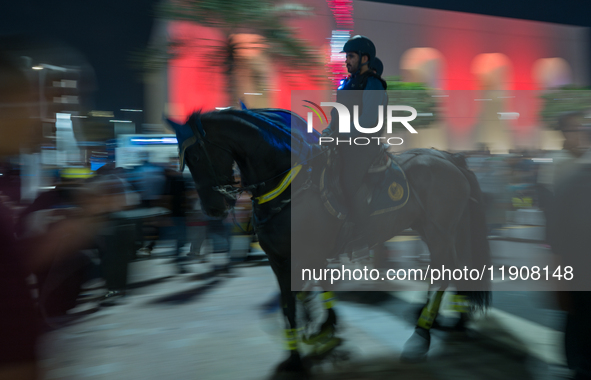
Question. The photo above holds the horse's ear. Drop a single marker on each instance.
(177, 127)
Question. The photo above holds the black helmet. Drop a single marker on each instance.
(377, 65)
(360, 45)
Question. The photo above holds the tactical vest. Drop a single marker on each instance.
(357, 84)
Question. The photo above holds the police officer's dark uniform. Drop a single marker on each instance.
(366, 90)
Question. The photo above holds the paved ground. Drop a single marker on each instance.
(201, 326)
(198, 326)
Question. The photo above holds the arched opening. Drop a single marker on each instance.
(493, 72)
(423, 65)
(551, 73)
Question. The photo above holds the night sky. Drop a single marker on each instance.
(107, 31)
(571, 12)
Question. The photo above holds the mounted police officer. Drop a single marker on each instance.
(366, 89)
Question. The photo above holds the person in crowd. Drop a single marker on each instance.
(175, 199)
(568, 225)
(576, 142)
(150, 183)
(19, 322)
(59, 283)
(116, 238)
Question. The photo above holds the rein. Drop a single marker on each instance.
(210, 167)
(232, 192)
(229, 190)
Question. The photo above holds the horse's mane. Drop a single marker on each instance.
(275, 131)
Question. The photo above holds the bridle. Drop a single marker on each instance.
(232, 193)
(229, 191)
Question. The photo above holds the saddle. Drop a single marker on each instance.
(385, 188)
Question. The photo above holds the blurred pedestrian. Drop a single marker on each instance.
(219, 233)
(175, 199)
(150, 183)
(19, 322)
(198, 225)
(576, 142)
(568, 226)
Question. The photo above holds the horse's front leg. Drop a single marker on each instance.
(325, 339)
(442, 249)
(294, 362)
(417, 346)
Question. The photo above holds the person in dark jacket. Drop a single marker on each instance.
(175, 199)
(568, 227)
(367, 90)
(20, 128)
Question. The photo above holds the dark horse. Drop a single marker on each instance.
(443, 205)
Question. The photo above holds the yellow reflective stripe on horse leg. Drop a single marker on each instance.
(301, 296)
(460, 303)
(291, 339)
(328, 300)
(282, 186)
(429, 312)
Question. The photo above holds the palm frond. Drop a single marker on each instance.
(263, 17)
(292, 10)
(226, 14)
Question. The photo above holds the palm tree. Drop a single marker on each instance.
(262, 17)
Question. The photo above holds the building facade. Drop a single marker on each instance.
(487, 72)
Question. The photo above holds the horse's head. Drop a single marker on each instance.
(210, 163)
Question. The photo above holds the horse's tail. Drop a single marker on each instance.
(472, 231)
(479, 247)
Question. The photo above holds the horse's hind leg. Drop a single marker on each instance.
(442, 246)
(417, 346)
(460, 301)
(329, 301)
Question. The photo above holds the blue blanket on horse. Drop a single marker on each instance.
(285, 129)
(303, 145)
